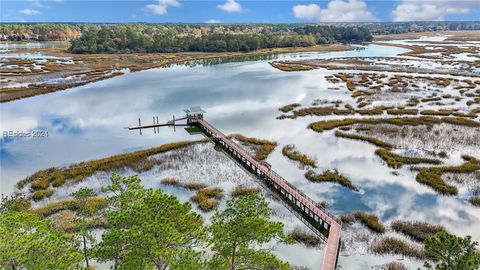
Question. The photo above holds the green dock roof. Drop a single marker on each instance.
(194, 110)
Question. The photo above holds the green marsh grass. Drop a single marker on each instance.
(392, 245)
(291, 153)
(432, 176)
(79, 171)
(365, 138)
(371, 221)
(42, 193)
(243, 190)
(171, 181)
(65, 220)
(188, 185)
(93, 204)
(289, 107)
(207, 199)
(266, 146)
(321, 126)
(417, 230)
(402, 111)
(304, 237)
(331, 176)
(397, 161)
(348, 219)
(194, 185)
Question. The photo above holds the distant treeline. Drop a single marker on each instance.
(219, 38)
(406, 27)
(39, 32)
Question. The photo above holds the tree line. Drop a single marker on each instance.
(166, 39)
(39, 32)
(406, 27)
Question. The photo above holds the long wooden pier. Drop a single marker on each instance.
(325, 221)
(307, 210)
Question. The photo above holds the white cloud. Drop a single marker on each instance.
(312, 11)
(231, 6)
(29, 12)
(212, 21)
(161, 7)
(58, 1)
(336, 11)
(431, 10)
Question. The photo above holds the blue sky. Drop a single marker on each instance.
(227, 11)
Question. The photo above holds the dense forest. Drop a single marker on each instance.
(161, 38)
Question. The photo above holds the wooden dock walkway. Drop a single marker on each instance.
(323, 219)
(317, 218)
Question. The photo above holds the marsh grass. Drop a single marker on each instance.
(348, 219)
(392, 245)
(402, 111)
(438, 112)
(331, 176)
(207, 199)
(66, 221)
(304, 237)
(365, 138)
(42, 193)
(395, 266)
(266, 146)
(321, 126)
(78, 172)
(170, 181)
(319, 111)
(371, 221)
(243, 190)
(475, 201)
(188, 185)
(93, 204)
(397, 161)
(291, 153)
(194, 185)
(417, 230)
(291, 66)
(289, 107)
(432, 176)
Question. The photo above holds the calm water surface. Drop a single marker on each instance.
(240, 97)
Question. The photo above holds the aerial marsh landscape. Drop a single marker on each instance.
(376, 124)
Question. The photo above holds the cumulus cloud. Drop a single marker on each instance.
(409, 10)
(230, 6)
(160, 8)
(28, 12)
(212, 21)
(336, 11)
(312, 11)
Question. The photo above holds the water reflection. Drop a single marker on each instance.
(240, 97)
